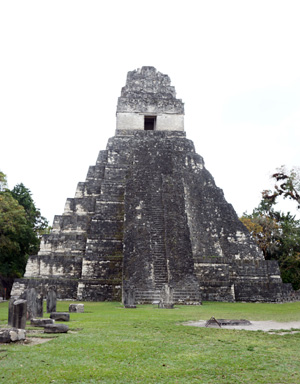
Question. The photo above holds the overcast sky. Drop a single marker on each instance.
(235, 65)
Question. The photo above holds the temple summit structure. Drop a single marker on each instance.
(149, 219)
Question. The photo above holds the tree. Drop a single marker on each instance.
(265, 232)
(278, 233)
(36, 223)
(12, 229)
(20, 226)
(287, 184)
(3, 181)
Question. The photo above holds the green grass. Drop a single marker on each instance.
(110, 344)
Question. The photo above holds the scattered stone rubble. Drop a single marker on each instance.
(60, 316)
(166, 297)
(21, 310)
(9, 335)
(51, 299)
(79, 308)
(218, 323)
(19, 314)
(41, 322)
(56, 328)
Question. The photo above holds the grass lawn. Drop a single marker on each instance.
(110, 344)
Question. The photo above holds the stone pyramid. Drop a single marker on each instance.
(150, 219)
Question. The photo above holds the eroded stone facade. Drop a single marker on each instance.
(149, 216)
(149, 96)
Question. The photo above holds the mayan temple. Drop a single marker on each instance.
(149, 217)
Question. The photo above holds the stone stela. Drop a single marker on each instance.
(149, 216)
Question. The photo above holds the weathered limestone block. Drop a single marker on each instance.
(31, 297)
(19, 314)
(60, 316)
(232, 322)
(107, 248)
(12, 334)
(219, 323)
(70, 224)
(32, 267)
(34, 302)
(63, 243)
(11, 309)
(18, 287)
(110, 229)
(100, 290)
(112, 191)
(101, 267)
(65, 287)
(60, 265)
(241, 280)
(5, 336)
(39, 305)
(79, 308)
(56, 328)
(149, 95)
(51, 299)
(79, 206)
(41, 322)
(212, 323)
(128, 298)
(166, 297)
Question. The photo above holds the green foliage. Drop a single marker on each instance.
(277, 233)
(21, 225)
(3, 181)
(287, 185)
(110, 344)
(13, 227)
(265, 231)
(36, 224)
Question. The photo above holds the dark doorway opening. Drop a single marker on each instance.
(149, 123)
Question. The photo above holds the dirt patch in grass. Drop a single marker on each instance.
(266, 326)
(35, 337)
(31, 341)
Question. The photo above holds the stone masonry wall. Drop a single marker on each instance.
(149, 219)
(149, 92)
(156, 238)
(148, 215)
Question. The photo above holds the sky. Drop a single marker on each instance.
(234, 64)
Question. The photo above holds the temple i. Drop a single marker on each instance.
(149, 218)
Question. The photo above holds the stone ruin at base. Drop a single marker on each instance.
(149, 216)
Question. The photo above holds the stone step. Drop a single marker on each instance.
(178, 296)
(160, 275)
